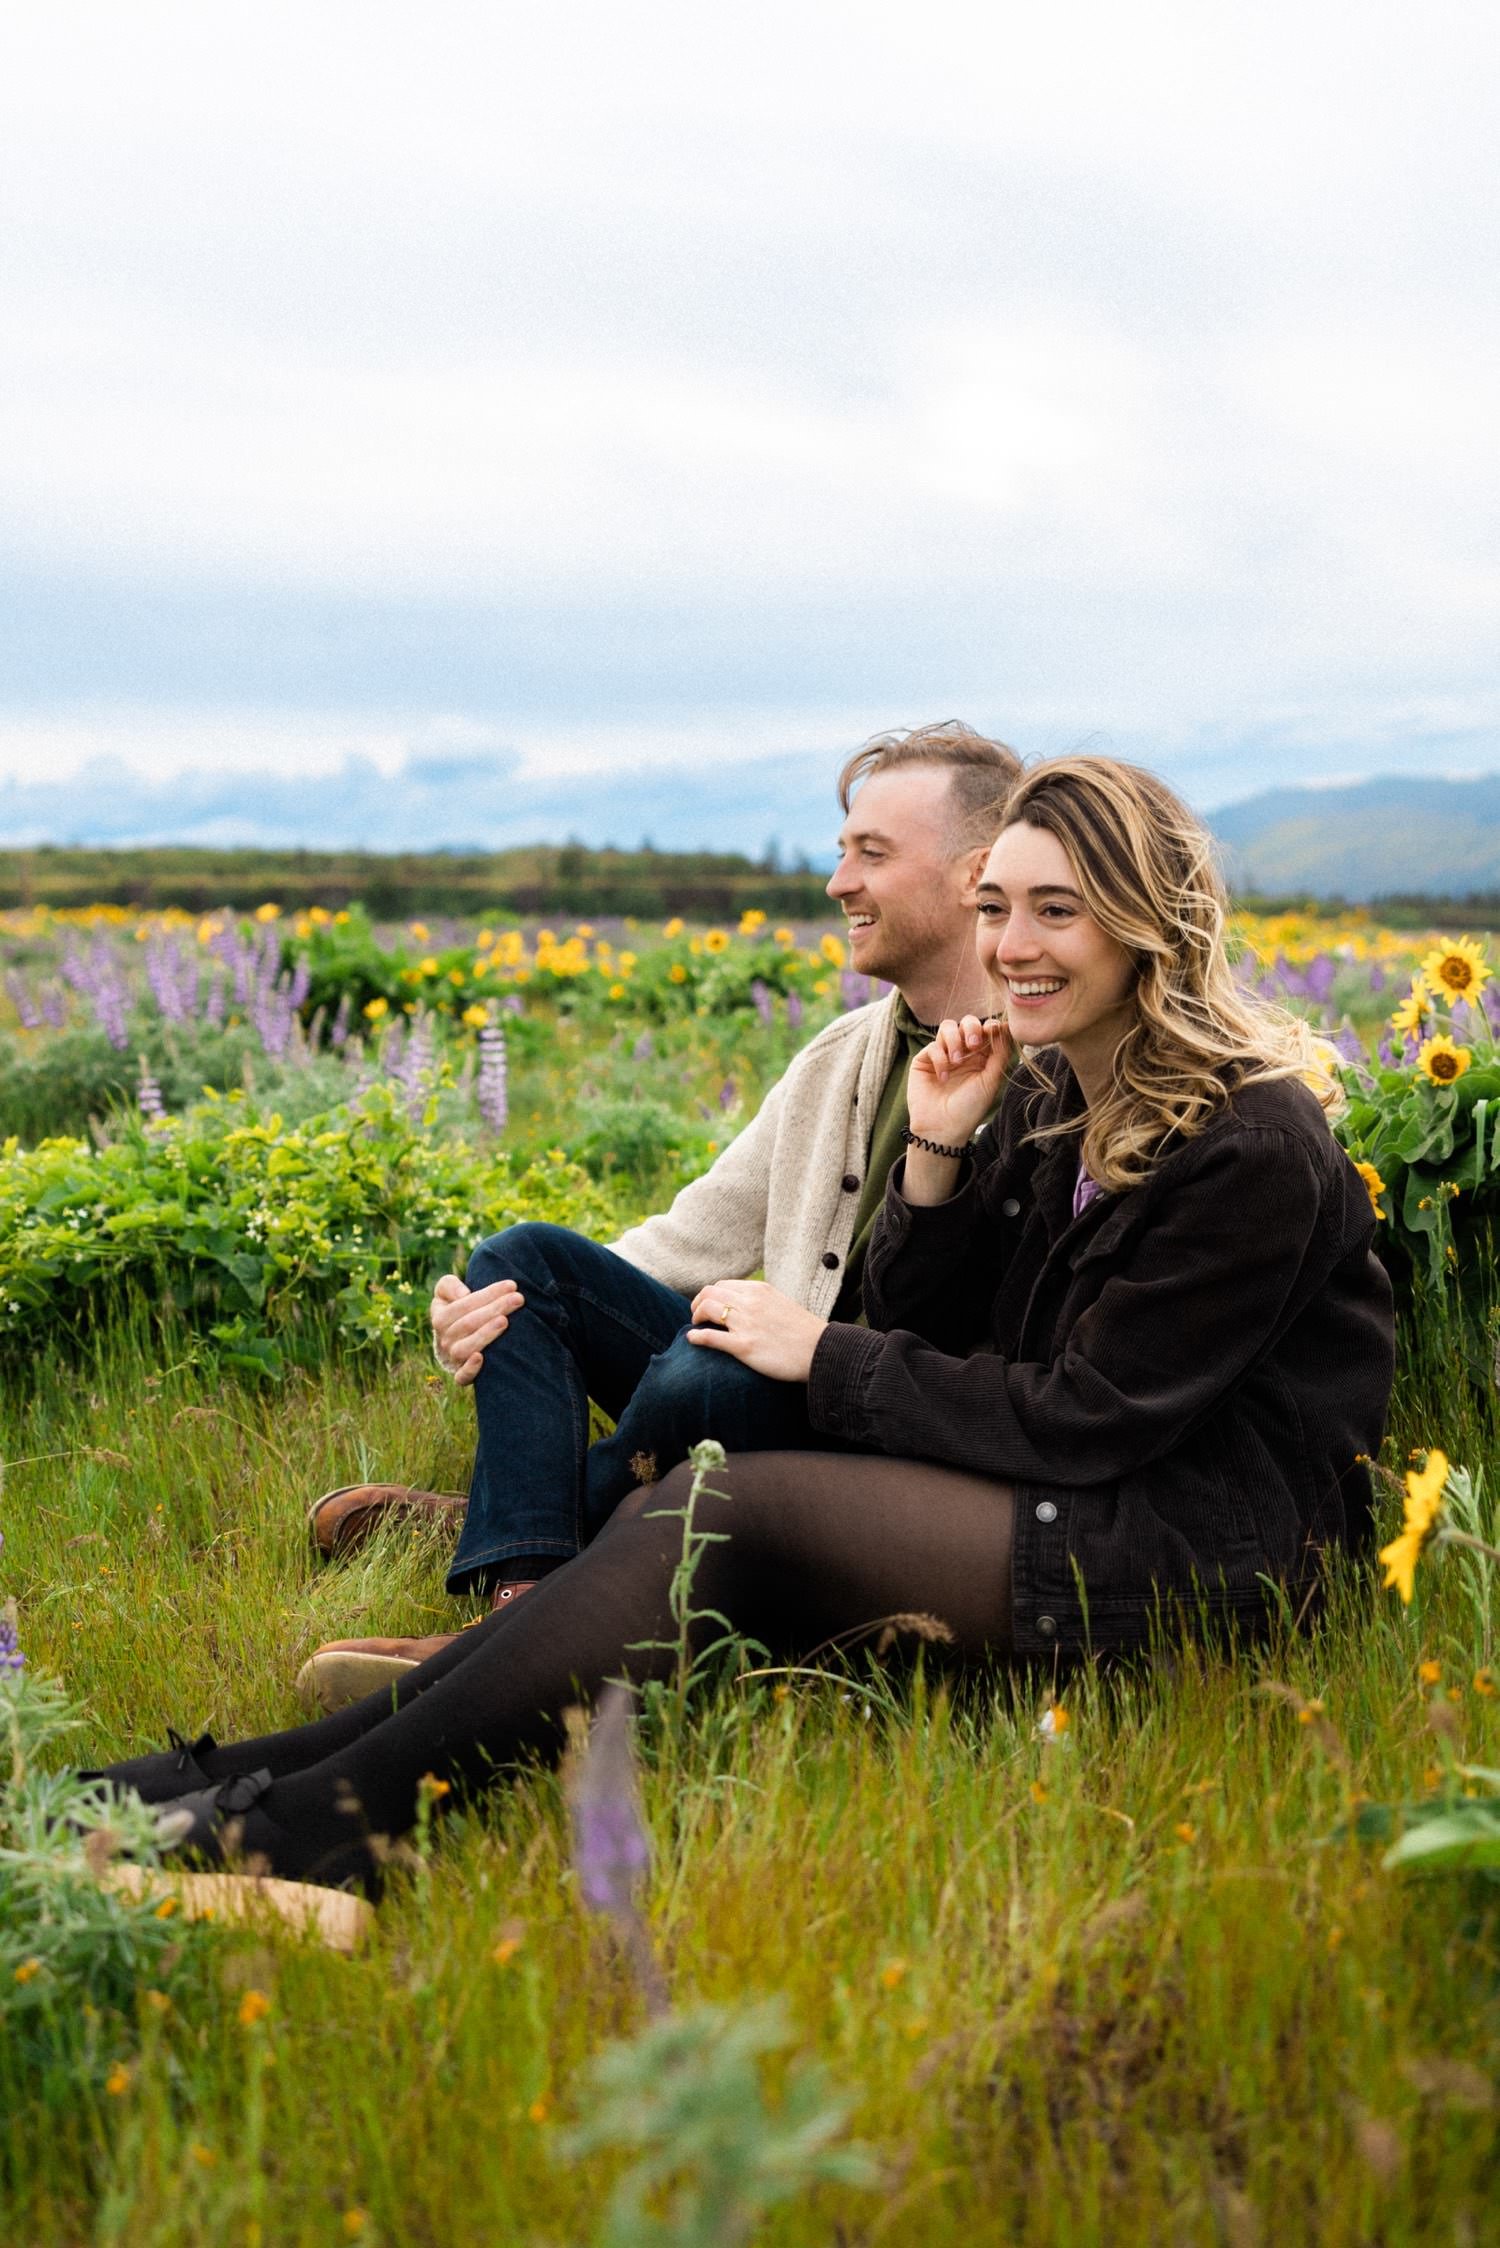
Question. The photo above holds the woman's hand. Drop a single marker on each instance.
(954, 1083)
(759, 1326)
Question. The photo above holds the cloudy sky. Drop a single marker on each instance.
(607, 387)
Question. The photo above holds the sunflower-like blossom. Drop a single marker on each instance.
(1441, 1061)
(1375, 1186)
(1415, 1008)
(1457, 969)
(1422, 1510)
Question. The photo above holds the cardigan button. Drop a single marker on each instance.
(1010, 1207)
(830, 1259)
(849, 1183)
(1047, 1626)
(1046, 1512)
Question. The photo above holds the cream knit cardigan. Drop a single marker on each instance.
(782, 1197)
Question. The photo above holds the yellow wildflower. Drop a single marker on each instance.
(1422, 1507)
(674, 927)
(165, 1909)
(893, 1974)
(204, 2156)
(254, 2007)
(584, 929)
(475, 1017)
(1457, 968)
(832, 949)
(1443, 1062)
(540, 2109)
(716, 940)
(617, 991)
(375, 1008)
(117, 2081)
(1185, 1831)
(505, 1951)
(1484, 1682)
(752, 920)
(677, 973)
(268, 912)
(1429, 1673)
(27, 1969)
(1415, 1007)
(626, 962)
(355, 2221)
(784, 935)
(428, 967)
(419, 930)
(432, 1789)
(1375, 1186)
(319, 916)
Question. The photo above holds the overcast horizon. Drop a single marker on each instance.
(622, 398)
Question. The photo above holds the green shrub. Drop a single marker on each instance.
(264, 1236)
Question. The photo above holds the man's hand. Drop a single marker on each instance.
(466, 1320)
(759, 1326)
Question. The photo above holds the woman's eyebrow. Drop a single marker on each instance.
(1042, 890)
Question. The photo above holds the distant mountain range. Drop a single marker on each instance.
(1395, 834)
(1378, 838)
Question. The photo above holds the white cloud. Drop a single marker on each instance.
(1135, 362)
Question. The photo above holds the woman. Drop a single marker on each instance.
(1126, 1355)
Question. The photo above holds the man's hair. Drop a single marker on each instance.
(981, 773)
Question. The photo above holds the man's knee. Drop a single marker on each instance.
(691, 1387)
(531, 1251)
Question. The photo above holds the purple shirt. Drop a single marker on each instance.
(1086, 1191)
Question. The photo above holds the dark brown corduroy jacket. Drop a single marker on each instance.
(1181, 1384)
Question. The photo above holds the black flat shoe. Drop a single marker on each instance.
(164, 1776)
(194, 1825)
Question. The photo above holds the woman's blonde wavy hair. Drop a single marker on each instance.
(1147, 873)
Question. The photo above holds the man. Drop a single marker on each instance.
(547, 1320)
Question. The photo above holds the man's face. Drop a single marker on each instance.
(907, 901)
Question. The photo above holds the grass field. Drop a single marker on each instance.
(1126, 1980)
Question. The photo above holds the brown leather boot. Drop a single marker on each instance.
(345, 1670)
(343, 1519)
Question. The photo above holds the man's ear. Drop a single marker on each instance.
(970, 867)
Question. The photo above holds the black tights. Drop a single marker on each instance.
(818, 1545)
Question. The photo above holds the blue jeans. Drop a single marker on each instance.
(593, 1326)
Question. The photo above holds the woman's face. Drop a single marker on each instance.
(1061, 980)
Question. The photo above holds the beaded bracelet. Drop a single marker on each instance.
(935, 1147)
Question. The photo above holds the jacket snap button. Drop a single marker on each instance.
(850, 1183)
(830, 1259)
(1047, 1626)
(1010, 1207)
(1046, 1512)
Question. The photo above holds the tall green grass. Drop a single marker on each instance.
(1123, 1986)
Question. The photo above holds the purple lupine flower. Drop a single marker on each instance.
(513, 1003)
(765, 1005)
(729, 1093)
(96, 977)
(20, 998)
(338, 1029)
(173, 978)
(1462, 1019)
(1390, 1053)
(148, 1095)
(53, 1001)
(1319, 978)
(218, 995)
(11, 1657)
(643, 1050)
(491, 1091)
(854, 988)
(610, 1850)
(1377, 976)
(1489, 1000)
(794, 1010)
